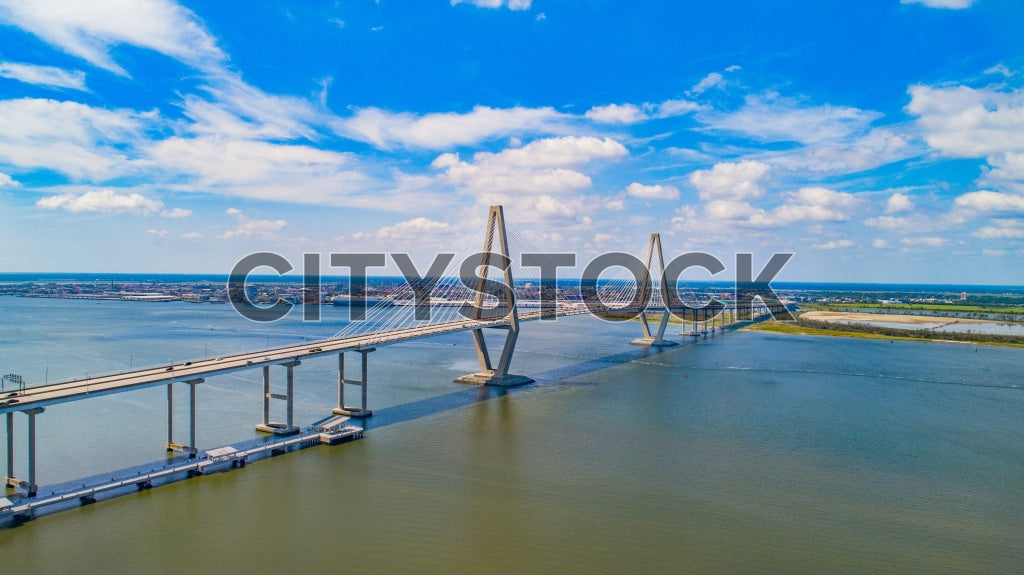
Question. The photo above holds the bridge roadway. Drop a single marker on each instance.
(76, 389)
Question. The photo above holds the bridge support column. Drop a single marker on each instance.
(350, 410)
(496, 375)
(287, 428)
(656, 339)
(10, 448)
(30, 486)
(189, 449)
(266, 395)
(170, 416)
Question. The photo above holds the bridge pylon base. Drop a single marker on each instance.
(352, 411)
(652, 342)
(276, 428)
(494, 380)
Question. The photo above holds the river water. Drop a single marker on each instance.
(746, 452)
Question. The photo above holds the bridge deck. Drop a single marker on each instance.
(77, 389)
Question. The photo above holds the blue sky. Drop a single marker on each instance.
(880, 141)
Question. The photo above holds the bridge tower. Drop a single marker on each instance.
(495, 374)
(656, 338)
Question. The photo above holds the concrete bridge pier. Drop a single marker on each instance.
(275, 427)
(350, 410)
(190, 448)
(30, 486)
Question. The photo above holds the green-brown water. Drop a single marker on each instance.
(749, 452)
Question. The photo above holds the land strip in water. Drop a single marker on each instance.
(871, 325)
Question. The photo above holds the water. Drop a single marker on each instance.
(749, 452)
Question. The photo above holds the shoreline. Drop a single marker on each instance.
(773, 326)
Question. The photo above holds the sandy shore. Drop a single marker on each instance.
(860, 317)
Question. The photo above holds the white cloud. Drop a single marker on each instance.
(43, 75)
(926, 241)
(992, 232)
(1006, 171)
(192, 235)
(445, 130)
(879, 243)
(770, 117)
(252, 228)
(176, 213)
(7, 181)
(949, 4)
(616, 114)
(728, 180)
(966, 122)
(615, 205)
(542, 166)
(337, 22)
(986, 201)
(69, 138)
(90, 29)
(408, 231)
(264, 170)
(158, 233)
(833, 245)
(672, 108)
(1000, 69)
(655, 192)
(712, 80)
(106, 201)
(875, 148)
(898, 203)
(512, 4)
(888, 223)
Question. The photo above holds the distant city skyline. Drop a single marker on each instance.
(877, 141)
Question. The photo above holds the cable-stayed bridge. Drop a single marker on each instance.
(471, 290)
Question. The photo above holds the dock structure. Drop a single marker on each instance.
(332, 430)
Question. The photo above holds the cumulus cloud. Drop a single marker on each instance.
(43, 75)
(89, 30)
(7, 181)
(898, 203)
(879, 243)
(408, 231)
(987, 201)
(616, 114)
(655, 192)
(251, 228)
(542, 166)
(192, 235)
(1005, 171)
(730, 180)
(964, 122)
(105, 201)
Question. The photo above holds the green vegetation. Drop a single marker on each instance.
(813, 327)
